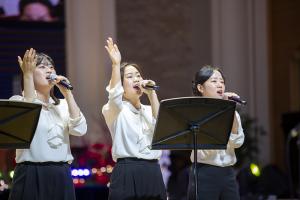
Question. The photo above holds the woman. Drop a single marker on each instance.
(43, 170)
(216, 176)
(137, 173)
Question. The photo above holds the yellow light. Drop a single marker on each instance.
(254, 169)
(11, 174)
(109, 168)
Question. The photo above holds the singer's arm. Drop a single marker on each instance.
(28, 65)
(72, 105)
(237, 139)
(235, 126)
(154, 102)
(74, 110)
(76, 122)
(115, 57)
(115, 76)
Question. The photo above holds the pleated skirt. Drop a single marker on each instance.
(137, 179)
(42, 181)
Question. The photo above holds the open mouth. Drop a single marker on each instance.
(220, 92)
(136, 87)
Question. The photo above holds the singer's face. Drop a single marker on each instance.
(214, 87)
(42, 71)
(131, 83)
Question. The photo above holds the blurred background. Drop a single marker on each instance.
(255, 42)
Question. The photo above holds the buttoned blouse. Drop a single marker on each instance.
(131, 129)
(51, 139)
(223, 158)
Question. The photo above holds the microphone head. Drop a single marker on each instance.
(52, 77)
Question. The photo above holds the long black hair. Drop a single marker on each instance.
(202, 76)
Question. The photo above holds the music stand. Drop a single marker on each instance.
(18, 121)
(193, 123)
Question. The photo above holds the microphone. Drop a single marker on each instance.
(151, 87)
(64, 83)
(237, 100)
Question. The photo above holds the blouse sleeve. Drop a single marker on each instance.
(236, 140)
(16, 98)
(150, 121)
(21, 98)
(114, 105)
(77, 126)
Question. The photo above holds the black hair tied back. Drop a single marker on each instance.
(202, 76)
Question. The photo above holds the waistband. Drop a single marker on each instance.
(43, 163)
(213, 166)
(133, 159)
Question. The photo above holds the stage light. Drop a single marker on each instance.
(94, 170)
(103, 169)
(11, 174)
(74, 172)
(109, 168)
(80, 172)
(75, 181)
(254, 169)
(86, 172)
(81, 181)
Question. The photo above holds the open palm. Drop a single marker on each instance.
(113, 51)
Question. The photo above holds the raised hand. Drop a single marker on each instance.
(28, 63)
(113, 52)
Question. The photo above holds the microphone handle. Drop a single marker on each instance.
(66, 85)
(237, 100)
(151, 87)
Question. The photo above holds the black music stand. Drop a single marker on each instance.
(193, 123)
(18, 121)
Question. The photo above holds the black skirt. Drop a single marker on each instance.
(42, 181)
(137, 179)
(214, 183)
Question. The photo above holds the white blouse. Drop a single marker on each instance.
(51, 139)
(223, 158)
(131, 129)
